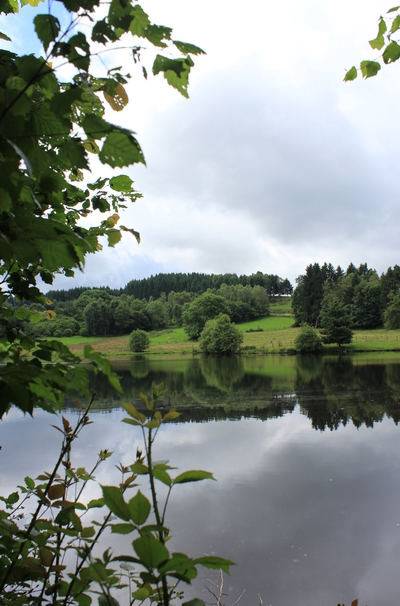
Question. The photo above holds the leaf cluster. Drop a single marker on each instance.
(385, 42)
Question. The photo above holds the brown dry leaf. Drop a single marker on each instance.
(119, 100)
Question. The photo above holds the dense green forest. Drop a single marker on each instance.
(367, 299)
(196, 283)
(103, 312)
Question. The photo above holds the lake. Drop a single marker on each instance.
(306, 454)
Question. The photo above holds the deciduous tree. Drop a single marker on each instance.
(49, 127)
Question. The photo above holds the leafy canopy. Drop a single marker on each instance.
(386, 41)
(49, 128)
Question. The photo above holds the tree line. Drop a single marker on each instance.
(366, 299)
(98, 312)
(196, 283)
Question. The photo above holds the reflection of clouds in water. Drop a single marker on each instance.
(283, 490)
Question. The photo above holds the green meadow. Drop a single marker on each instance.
(274, 334)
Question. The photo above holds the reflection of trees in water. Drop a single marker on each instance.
(222, 372)
(331, 392)
(344, 392)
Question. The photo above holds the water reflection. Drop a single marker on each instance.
(330, 391)
(310, 517)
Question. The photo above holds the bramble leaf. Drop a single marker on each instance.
(139, 509)
(214, 563)
(151, 552)
(194, 475)
(115, 502)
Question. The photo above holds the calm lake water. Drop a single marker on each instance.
(306, 453)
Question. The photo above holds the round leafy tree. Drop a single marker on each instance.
(204, 308)
(139, 340)
(220, 336)
(308, 340)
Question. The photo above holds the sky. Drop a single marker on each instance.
(274, 162)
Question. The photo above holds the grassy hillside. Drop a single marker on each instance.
(274, 334)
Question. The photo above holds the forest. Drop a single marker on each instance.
(142, 305)
(365, 298)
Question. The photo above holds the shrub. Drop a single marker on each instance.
(139, 340)
(220, 336)
(308, 340)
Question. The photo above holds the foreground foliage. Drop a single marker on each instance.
(35, 550)
(384, 42)
(49, 125)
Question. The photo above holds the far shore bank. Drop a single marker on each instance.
(259, 341)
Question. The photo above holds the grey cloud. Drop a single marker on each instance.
(292, 162)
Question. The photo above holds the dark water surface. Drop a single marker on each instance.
(306, 452)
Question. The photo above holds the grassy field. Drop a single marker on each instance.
(275, 334)
(281, 307)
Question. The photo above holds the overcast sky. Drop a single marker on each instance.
(273, 163)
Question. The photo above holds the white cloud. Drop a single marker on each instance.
(274, 162)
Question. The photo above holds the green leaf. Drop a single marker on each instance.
(382, 28)
(88, 532)
(122, 528)
(5, 37)
(139, 509)
(47, 28)
(5, 201)
(377, 42)
(97, 128)
(131, 422)
(162, 475)
(121, 149)
(392, 10)
(351, 74)
(391, 53)
(115, 502)
(188, 49)
(29, 483)
(96, 503)
(121, 183)
(369, 68)
(194, 602)
(141, 594)
(73, 154)
(151, 552)
(133, 232)
(171, 415)
(194, 475)
(139, 468)
(107, 600)
(179, 562)
(395, 24)
(214, 562)
(114, 236)
(176, 72)
(133, 412)
(152, 424)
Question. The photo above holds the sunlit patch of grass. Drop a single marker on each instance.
(267, 324)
